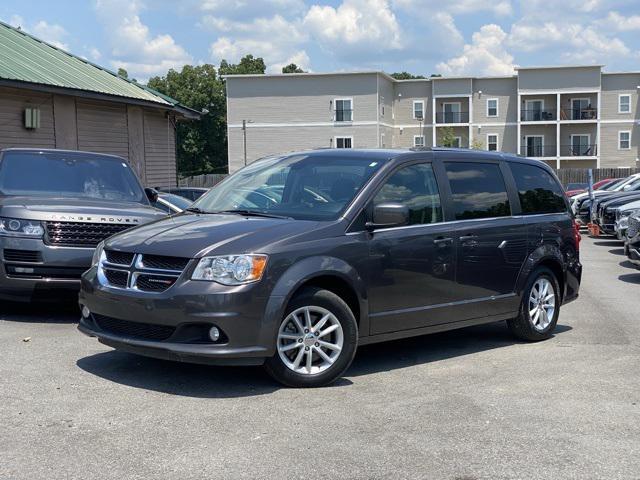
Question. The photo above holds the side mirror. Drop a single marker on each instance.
(387, 215)
(152, 194)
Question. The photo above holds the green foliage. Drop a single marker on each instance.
(477, 144)
(405, 76)
(248, 64)
(447, 137)
(122, 73)
(292, 68)
(435, 75)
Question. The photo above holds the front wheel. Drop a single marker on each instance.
(539, 309)
(316, 341)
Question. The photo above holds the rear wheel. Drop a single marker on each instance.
(316, 341)
(539, 309)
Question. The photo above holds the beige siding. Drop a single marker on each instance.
(610, 155)
(405, 94)
(451, 86)
(547, 131)
(507, 137)
(300, 99)
(612, 87)
(503, 89)
(386, 94)
(403, 137)
(12, 131)
(574, 78)
(264, 141)
(102, 127)
(159, 142)
(578, 164)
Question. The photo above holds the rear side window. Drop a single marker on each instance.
(414, 186)
(478, 190)
(538, 190)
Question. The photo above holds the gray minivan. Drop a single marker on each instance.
(295, 260)
(55, 207)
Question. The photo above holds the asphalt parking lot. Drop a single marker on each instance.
(469, 404)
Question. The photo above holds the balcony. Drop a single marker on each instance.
(538, 115)
(535, 151)
(343, 115)
(578, 150)
(588, 113)
(452, 117)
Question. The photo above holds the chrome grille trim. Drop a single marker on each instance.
(137, 269)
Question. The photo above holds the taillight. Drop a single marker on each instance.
(576, 234)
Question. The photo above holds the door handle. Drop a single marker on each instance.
(469, 240)
(442, 241)
(468, 237)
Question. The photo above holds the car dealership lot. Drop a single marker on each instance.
(471, 403)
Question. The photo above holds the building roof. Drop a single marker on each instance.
(25, 58)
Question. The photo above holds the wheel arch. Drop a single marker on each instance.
(549, 256)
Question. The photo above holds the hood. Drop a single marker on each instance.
(77, 210)
(192, 236)
(620, 199)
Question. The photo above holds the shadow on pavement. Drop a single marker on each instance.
(608, 243)
(630, 278)
(617, 251)
(627, 264)
(204, 381)
(63, 311)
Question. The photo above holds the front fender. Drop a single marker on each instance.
(297, 275)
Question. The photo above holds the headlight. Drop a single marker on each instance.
(231, 269)
(97, 253)
(623, 222)
(15, 227)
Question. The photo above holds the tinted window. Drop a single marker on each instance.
(304, 187)
(414, 186)
(538, 191)
(478, 190)
(68, 175)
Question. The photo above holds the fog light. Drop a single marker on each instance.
(214, 334)
(85, 311)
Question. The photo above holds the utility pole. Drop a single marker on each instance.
(244, 140)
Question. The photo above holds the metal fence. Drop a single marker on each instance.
(581, 175)
(207, 180)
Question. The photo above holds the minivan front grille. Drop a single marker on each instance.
(145, 273)
(144, 331)
(22, 256)
(80, 234)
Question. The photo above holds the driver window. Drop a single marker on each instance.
(414, 186)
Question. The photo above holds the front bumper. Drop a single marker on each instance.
(189, 309)
(30, 269)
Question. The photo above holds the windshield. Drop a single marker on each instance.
(176, 200)
(304, 187)
(73, 175)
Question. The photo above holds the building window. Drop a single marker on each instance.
(624, 140)
(343, 110)
(418, 141)
(344, 142)
(492, 107)
(624, 103)
(492, 142)
(457, 141)
(418, 110)
(382, 106)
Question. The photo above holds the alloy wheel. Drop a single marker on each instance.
(310, 340)
(542, 303)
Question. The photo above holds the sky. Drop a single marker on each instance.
(449, 37)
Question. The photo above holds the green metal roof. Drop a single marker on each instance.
(25, 58)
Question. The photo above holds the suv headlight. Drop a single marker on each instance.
(231, 269)
(97, 253)
(16, 227)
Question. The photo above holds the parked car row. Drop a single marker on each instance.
(610, 210)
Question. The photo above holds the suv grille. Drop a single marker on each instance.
(119, 258)
(79, 234)
(146, 331)
(25, 256)
(146, 273)
(634, 226)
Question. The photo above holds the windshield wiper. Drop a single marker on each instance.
(195, 210)
(253, 213)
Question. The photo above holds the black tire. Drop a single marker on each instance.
(523, 326)
(312, 296)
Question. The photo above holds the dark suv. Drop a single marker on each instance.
(295, 260)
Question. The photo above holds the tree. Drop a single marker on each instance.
(122, 73)
(292, 68)
(202, 145)
(248, 64)
(447, 137)
(477, 144)
(405, 76)
(435, 75)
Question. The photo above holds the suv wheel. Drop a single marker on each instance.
(539, 309)
(316, 341)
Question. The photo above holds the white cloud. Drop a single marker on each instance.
(362, 25)
(485, 55)
(621, 23)
(134, 47)
(51, 33)
(249, 9)
(456, 7)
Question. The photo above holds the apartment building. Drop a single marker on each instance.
(568, 116)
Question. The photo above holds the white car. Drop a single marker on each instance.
(623, 213)
(577, 200)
